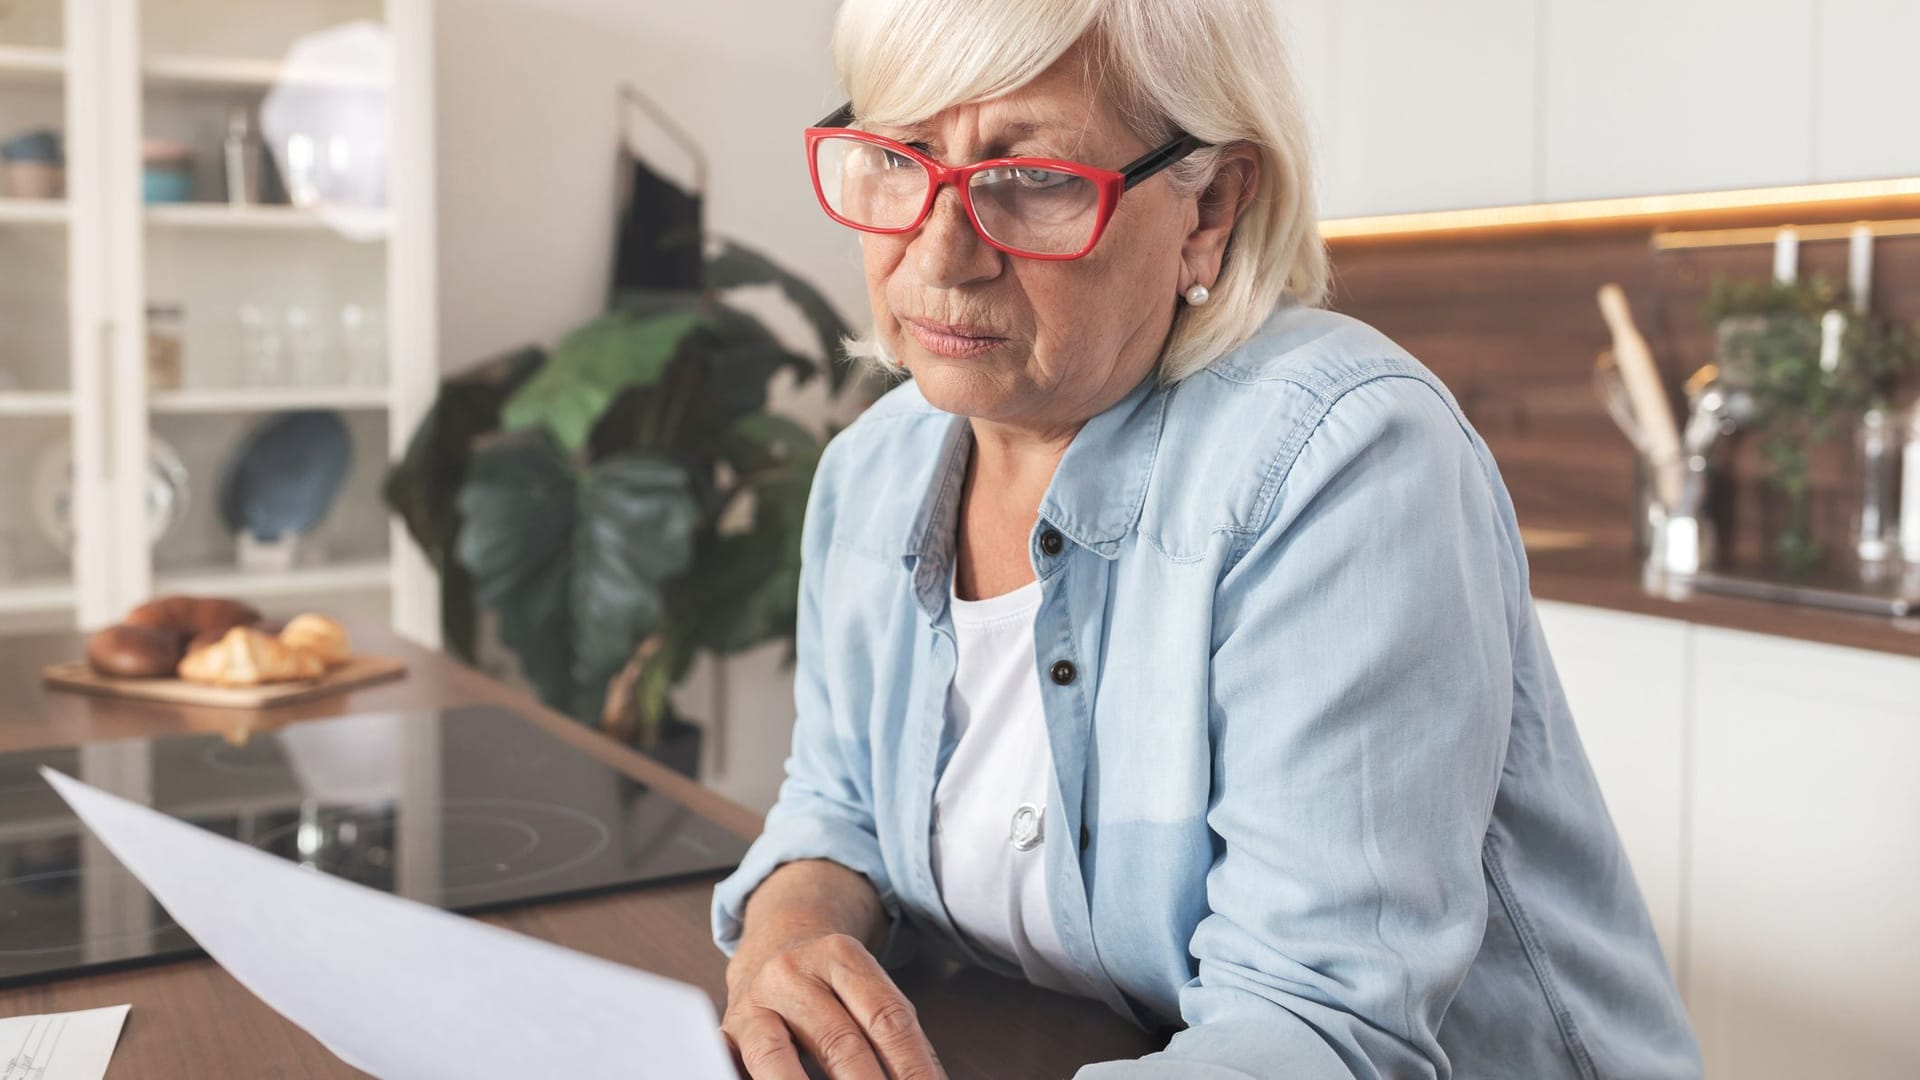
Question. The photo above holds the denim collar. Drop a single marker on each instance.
(1097, 490)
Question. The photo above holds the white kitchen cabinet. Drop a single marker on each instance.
(1654, 96)
(1625, 678)
(1432, 106)
(144, 333)
(1306, 27)
(1865, 84)
(1803, 928)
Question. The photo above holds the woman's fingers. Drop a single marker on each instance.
(887, 1017)
(761, 1042)
(796, 991)
(831, 999)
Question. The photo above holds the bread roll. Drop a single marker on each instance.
(133, 652)
(154, 636)
(320, 636)
(246, 656)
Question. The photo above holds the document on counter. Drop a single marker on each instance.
(60, 1046)
(397, 988)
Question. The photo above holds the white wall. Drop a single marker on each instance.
(529, 154)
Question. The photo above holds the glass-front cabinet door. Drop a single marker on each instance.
(54, 473)
(251, 185)
(216, 304)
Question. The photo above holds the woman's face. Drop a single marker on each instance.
(1031, 343)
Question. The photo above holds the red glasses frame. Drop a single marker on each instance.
(1109, 183)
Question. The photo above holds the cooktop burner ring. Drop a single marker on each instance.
(472, 810)
(85, 941)
(602, 837)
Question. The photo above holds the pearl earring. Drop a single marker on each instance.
(1197, 295)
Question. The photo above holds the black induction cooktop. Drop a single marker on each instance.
(467, 809)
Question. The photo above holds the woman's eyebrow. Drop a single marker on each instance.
(1004, 136)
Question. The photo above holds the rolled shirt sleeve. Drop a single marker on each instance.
(825, 806)
(1362, 693)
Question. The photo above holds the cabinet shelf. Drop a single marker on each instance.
(358, 221)
(229, 73)
(35, 403)
(30, 64)
(269, 399)
(33, 211)
(300, 581)
(34, 596)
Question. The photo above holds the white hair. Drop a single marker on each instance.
(1216, 69)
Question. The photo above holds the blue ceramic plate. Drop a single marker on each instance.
(285, 475)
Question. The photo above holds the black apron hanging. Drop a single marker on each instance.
(659, 244)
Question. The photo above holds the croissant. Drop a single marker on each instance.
(245, 656)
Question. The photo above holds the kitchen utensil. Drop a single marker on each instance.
(1652, 412)
(285, 474)
(52, 492)
(243, 182)
(1612, 390)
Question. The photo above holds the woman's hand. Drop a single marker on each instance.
(828, 994)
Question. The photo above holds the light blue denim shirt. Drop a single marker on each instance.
(1319, 800)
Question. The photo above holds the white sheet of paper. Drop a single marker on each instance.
(397, 988)
(60, 1046)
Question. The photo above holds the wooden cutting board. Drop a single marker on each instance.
(359, 671)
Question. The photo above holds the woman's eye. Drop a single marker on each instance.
(1041, 178)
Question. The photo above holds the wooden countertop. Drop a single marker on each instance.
(1608, 576)
(190, 1019)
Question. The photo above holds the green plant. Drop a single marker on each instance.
(591, 496)
(1771, 333)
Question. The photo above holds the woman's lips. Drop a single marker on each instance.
(958, 342)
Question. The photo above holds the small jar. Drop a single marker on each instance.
(33, 166)
(166, 174)
(166, 342)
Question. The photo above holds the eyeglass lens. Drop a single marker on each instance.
(1043, 211)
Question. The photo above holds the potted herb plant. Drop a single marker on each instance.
(1768, 339)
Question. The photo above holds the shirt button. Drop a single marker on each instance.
(1027, 828)
(1062, 671)
(1050, 542)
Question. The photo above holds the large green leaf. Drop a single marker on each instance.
(745, 590)
(518, 506)
(635, 532)
(736, 266)
(422, 486)
(593, 366)
(744, 356)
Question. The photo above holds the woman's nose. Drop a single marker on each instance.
(947, 251)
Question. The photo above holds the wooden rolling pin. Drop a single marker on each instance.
(1651, 409)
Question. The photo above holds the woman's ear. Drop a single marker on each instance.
(1232, 189)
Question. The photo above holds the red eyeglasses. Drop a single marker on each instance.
(1036, 208)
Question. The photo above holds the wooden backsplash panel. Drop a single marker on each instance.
(1513, 328)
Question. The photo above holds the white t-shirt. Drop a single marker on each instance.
(989, 809)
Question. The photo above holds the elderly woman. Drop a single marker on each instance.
(1164, 639)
